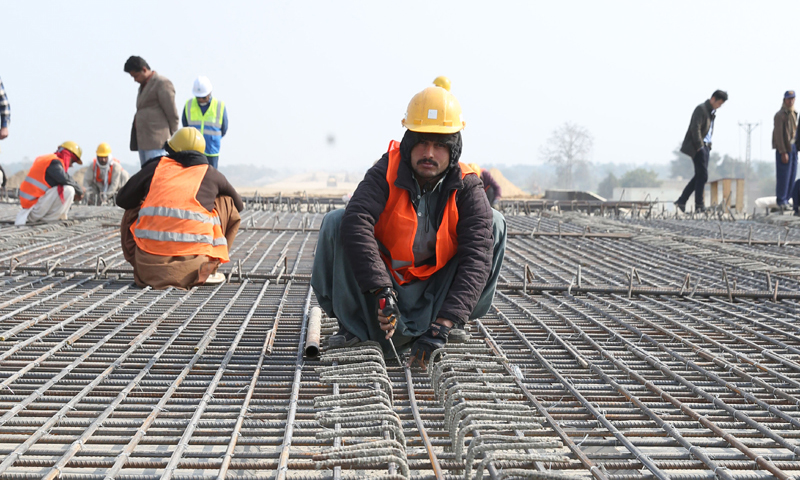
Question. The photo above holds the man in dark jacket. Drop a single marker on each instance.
(783, 136)
(417, 252)
(697, 145)
(181, 217)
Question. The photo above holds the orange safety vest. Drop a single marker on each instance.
(97, 176)
(172, 222)
(397, 227)
(34, 185)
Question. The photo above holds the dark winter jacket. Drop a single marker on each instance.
(699, 126)
(56, 175)
(474, 229)
(214, 184)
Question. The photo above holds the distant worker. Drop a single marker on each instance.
(5, 112)
(106, 176)
(5, 121)
(697, 145)
(48, 191)
(490, 186)
(783, 136)
(156, 116)
(417, 251)
(181, 217)
(208, 115)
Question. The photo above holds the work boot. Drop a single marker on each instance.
(797, 213)
(681, 207)
(343, 338)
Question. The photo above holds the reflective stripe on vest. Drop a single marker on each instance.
(397, 227)
(35, 185)
(180, 237)
(209, 123)
(172, 222)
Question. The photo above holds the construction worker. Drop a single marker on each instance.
(181, 217)
(490, 186)
(106, 176)
(417, 251)
(208, 115)
(48, 190)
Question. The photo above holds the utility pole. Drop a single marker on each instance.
(748, 128)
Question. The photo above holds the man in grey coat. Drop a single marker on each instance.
(697, 145)
(156, 114)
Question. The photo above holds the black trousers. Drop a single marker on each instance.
(698, 183)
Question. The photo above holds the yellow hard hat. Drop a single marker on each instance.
(103, 150)
(434, 110)
(74, 148)
(442, 81)
(187, 138)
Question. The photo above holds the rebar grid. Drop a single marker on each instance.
(121, 382)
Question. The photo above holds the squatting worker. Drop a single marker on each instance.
(48, 190)
(493, 191)
(783, 136)
(208, 115)
(181, 217)
(697, 145)
(106, 176)
(418, 234)
(156, 116)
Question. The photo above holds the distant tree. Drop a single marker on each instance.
(568, 148)
(607, 186)
(639, 177)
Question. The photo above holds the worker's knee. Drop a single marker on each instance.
(499, 228)
(331, 222)
(69, 192)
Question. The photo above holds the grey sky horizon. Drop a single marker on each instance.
(292, 73)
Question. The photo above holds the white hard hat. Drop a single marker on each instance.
(202, 86)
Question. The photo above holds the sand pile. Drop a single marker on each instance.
(509, 189)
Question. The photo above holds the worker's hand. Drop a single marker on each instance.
(785, 157)
(496, 205)
(430, 341)
(388, 311)
(3, 133)
(78, 194)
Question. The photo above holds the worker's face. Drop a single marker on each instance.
(429, 159)
(204, 100)
(102, 160)
(716, 103)
(789, 102)
(141, 76)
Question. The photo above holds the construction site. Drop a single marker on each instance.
(620, 345)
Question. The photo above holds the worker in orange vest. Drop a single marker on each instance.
(181, 217)
(48, 190)
(417, 251)
(105, 177)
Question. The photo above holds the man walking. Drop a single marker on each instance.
(207, 115)
(697, 145)
(783, 136)
(417, 252)
(156, 118)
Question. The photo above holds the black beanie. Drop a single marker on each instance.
(410, 139)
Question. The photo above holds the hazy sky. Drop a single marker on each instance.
(291, 73)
